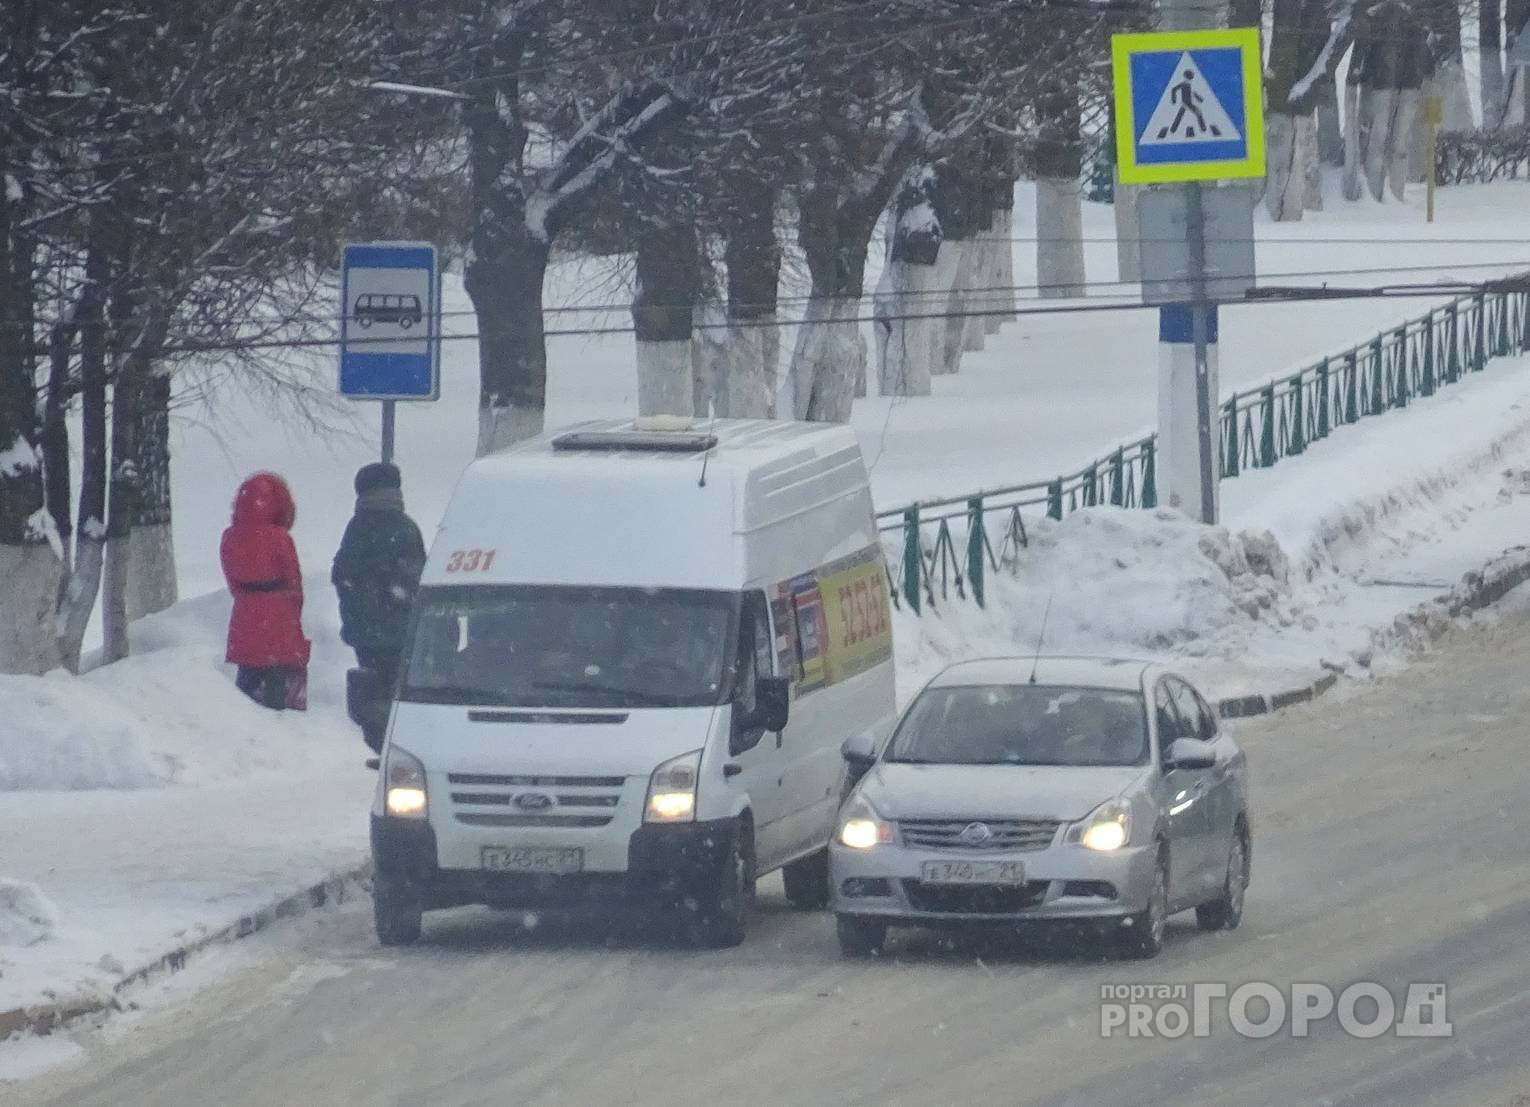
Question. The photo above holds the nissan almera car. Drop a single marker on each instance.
(1084, 790)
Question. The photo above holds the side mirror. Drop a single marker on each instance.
(1190, 753)
(772, 703)
(860, 754)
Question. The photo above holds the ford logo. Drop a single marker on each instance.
(533, 801)
(976, 834)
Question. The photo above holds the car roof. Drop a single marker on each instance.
(1116, 673)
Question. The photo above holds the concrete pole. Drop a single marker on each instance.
(1189, 473)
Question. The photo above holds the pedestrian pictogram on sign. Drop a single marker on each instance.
(1188, 106)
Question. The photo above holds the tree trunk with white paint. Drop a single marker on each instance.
(1002, 278)
(1285, 178)
(1409, 104)
(1059, 198)
(753, 260)
(916, 287)
(668, 270)
(1059, 238)
(503, 277)
(1380, 108)
(1311, 162)
(1354, 145)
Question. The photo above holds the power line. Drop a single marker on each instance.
(977, 292)
(1285, 296)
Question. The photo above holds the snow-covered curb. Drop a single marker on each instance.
(44, 1018)
(1422, 626)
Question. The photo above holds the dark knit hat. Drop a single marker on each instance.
(379, 474)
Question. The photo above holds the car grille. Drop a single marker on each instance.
(483, 799)
(1004, 834)
(974, 899)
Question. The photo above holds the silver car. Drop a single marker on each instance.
(1079, 789)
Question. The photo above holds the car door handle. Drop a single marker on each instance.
(731, 770)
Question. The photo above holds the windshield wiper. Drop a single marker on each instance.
(649, 699)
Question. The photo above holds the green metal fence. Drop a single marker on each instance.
(941, 548)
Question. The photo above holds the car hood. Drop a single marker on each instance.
(992, 791)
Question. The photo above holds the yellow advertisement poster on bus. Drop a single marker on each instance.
(859, 626)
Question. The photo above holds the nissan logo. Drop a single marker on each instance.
(533, 801)
(976, 834)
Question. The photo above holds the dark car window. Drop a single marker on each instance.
(1023, 724)
(1197, 719)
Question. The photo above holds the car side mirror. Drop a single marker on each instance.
(1190, 753)
(772, 703)
(860, 754)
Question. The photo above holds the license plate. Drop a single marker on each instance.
(532, 859)
(972, 872)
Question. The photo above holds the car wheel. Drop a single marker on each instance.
(364, 321)
(860, 936)
(406, 322)
(1141, 935)
(719, 917)
(1226, 911)
(397, 911)
(807, 882)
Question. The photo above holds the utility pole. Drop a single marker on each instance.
(1192, 15)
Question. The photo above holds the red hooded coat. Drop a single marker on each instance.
(261, 566)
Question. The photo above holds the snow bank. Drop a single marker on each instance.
(1110, 581)
(169, 714)
(26, 915)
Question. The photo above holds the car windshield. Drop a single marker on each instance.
(524, 646)
(1023, 724)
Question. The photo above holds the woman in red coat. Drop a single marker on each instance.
(260, 563)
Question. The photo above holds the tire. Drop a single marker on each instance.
(807, 881)
(719, 917)
(860, 936)
(1141, 938)
(406, 322)
(1226, 911)
(397, 912)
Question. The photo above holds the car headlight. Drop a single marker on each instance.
(672, 790)
(1108, 827)
(860, 827)
(405, 797)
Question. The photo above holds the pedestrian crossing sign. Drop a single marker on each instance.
(1189, 106)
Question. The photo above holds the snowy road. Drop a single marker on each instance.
(1390, 845)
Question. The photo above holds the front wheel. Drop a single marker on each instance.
(718, 918)
(807, 882)
(860, 935)
(1141, 938)
(397, 912)
(1226, 911)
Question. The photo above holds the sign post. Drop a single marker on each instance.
(1189, 109)
(390, 319)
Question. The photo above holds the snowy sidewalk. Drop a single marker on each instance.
(134, 875)
(149, 804)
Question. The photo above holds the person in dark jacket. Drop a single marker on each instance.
(260, 563)
(377, 571)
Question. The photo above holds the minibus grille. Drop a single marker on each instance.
(514, 800)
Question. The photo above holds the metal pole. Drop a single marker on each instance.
(1434, 115)
(387, 432)
(1200, 326)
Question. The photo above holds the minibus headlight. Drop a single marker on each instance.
(405, 776)
(672, 790)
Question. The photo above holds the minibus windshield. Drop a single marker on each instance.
(546, 646)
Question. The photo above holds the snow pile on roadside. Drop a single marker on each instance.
(26, 915)
(1110, 581)
(169, 714)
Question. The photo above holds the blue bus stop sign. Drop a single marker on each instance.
(390, 320)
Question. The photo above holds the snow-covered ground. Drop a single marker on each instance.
(149, 800)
